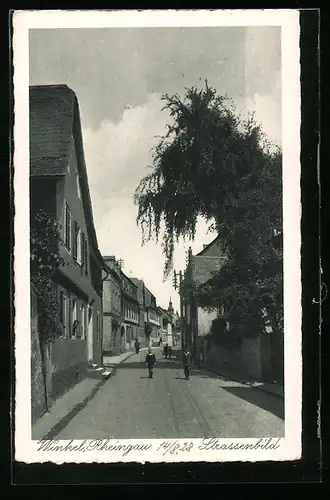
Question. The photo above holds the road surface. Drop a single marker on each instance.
(130, 405)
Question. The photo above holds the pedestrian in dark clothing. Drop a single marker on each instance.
(169, 351)
(165, 350)
(150, 362)
(187, 361)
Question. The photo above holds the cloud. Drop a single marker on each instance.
(267, 108)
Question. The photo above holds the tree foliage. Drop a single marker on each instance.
(147, 329)
(44, 262)
(212, 163)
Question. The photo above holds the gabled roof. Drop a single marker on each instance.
(54, 117)
(112, 268)
(206, 247)
(203, 268)
(52, 108)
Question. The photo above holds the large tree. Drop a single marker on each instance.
(214, 164)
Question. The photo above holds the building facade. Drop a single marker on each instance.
(245, 355)
(166, 321)
(112, 307)
(121, 309)
(141, 327)
(59, 187)
(130, 312)
(197, 320)
(150, 315)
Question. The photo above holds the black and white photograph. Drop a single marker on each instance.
(157, 236)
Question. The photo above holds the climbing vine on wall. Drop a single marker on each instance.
(45, 260)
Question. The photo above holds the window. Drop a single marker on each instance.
(67, 227)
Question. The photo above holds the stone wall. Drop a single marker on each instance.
(228, 363)
(69, 364)
(38, 391)
(250, 361)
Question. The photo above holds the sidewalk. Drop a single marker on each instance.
(111, 361)
(274, 389)
(76, 398)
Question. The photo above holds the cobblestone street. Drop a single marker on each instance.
(130, 405)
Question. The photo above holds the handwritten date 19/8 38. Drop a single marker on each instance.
(175, 447)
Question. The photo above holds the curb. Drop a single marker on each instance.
(109, 371)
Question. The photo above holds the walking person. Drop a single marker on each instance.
(150, 362)
(166, 350)
(169, 352)
(187, 361)
(137, 346)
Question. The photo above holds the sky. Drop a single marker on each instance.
(119, 76)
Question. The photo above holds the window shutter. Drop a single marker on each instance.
(83, 251)
(73, 317)
(65, 314)
(86, 256)
(80, 249)
(84, 320)
(75, 240)
(61, 308)
(69, 329)
(80, 315)
(68, 237)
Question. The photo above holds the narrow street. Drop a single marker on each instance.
(130, 405)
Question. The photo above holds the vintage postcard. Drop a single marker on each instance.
(157, 236)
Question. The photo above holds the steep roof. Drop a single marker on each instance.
(206, 247)
(112, 268)
(52, 108)
(54, 117)
(203, 268)
(145, 296)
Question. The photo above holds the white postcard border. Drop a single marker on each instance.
(288, 448)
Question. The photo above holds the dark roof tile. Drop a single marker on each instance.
(51, 119)
(204, 268)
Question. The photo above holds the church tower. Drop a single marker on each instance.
(170, 309)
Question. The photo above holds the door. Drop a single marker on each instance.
(90, 335)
